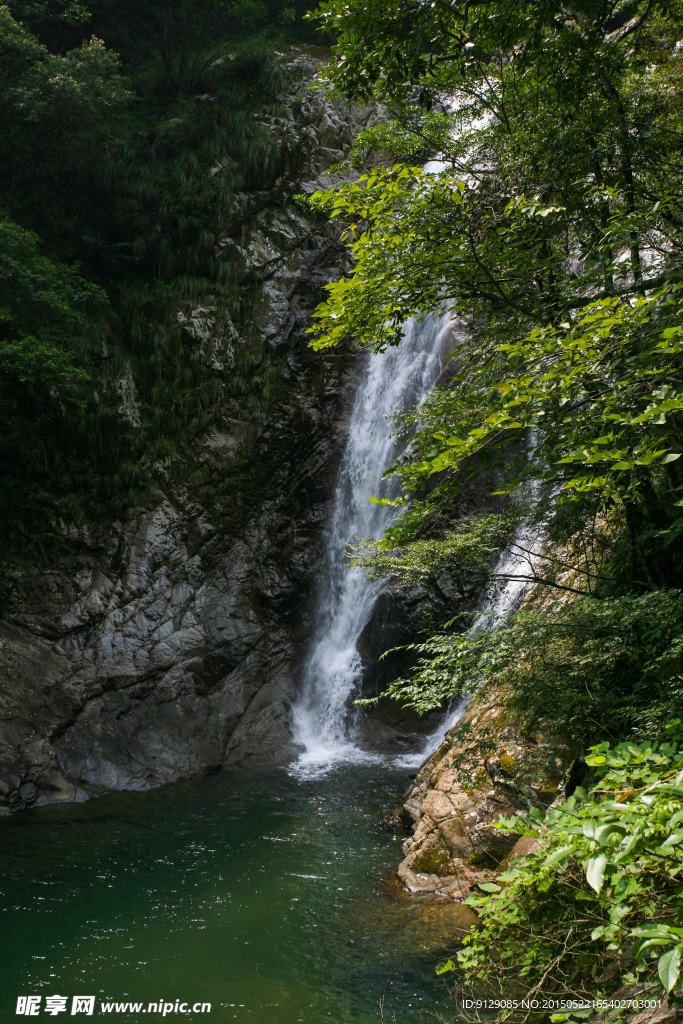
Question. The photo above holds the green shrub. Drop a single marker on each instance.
(599, 903)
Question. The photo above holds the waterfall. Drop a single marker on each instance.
(400, 378)
(500, 601)
(324, 717)
(515, 567)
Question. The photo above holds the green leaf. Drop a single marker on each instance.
(448, 966)
(605, 831)
(489, 887)
(557, 856)
(673, 840)
(663, 932)
(595, 871)
(669, 968)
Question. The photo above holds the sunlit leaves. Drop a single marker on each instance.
(601, 869)
(669, 967)
(585, 666)
(595, 871)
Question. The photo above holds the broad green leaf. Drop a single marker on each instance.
(673, 840)
(657, 931)
(603, 833)
(595, 871)
(557, 856)
(669, 968)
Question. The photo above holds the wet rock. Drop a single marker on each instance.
(484, 770)
(225, 450)
(215, 333)
(128, 407)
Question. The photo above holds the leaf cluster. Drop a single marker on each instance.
(463, 554)
(600, 898)
(587, 668)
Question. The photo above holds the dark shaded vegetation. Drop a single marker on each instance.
(126, 130)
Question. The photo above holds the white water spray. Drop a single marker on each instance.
(516, 570)
(400, 378)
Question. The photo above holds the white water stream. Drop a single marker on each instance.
(324, 722)
(400, 378)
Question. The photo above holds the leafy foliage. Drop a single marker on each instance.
(598, 402)
(464, 554)
(550, 229)
(117, 181)
(608, 860)
(609, 666)
(552, 232)
(51, 319)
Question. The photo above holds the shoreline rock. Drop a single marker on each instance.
(484, 770)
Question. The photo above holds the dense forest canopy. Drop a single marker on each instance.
(553, 232)
(126, 130)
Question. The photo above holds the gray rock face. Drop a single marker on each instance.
(166, 644)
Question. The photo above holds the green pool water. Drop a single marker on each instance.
(272, 898)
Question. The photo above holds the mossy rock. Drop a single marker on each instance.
(432, 861)
(507, 763)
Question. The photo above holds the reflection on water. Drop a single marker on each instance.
(271, 898)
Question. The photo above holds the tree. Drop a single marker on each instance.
(192, 39)
(558, 217)
(554, 233)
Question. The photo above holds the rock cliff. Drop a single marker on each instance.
(163, 644)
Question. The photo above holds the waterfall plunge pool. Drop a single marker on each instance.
(273, 898)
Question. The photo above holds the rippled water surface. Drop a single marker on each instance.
(270, 897)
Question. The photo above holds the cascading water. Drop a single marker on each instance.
(514, 574)
(515, 569)
(399, 378)
(323, 719)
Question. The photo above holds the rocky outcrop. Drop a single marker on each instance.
(483, 771)
(164, 643)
